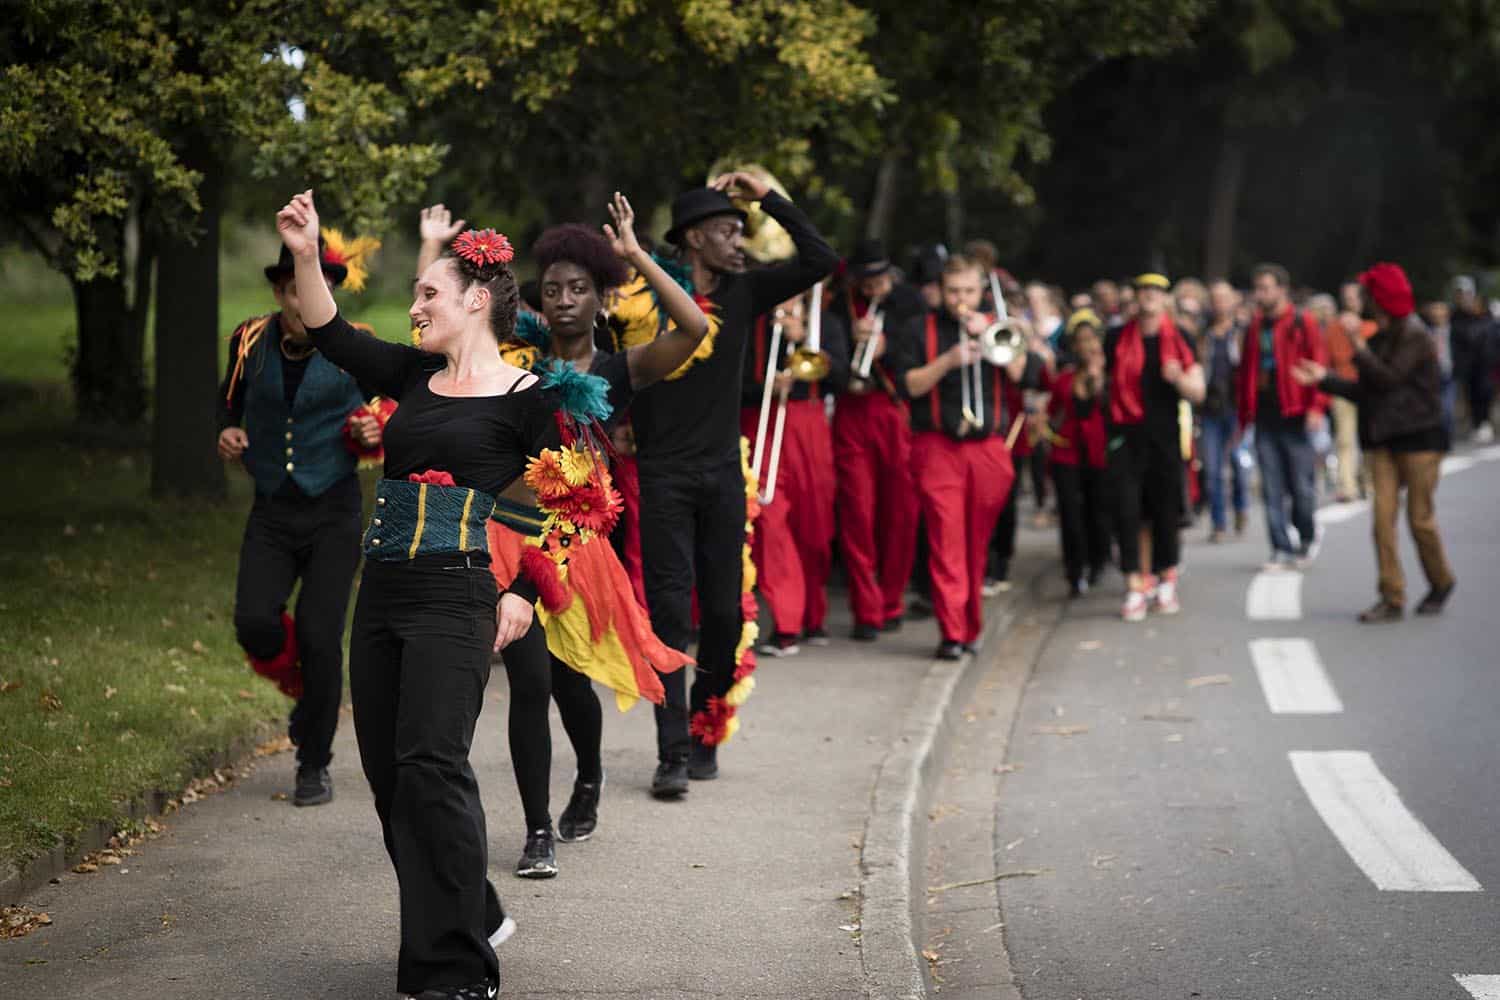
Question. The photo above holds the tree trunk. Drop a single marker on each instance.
(883, 205)
(108, 367)
(184, 461)
(953, 216)
(1223, 203)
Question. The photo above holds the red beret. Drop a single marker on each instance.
(1389, 287)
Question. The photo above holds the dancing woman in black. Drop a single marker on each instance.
(426, 619)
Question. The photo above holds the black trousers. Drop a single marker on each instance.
(419, 659)
(1083, 516)
(315, 540)
(1146, 471)
(537, 678)
(693, 535)
(1003, 541)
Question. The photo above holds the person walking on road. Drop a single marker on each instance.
(1284, 414)
(1401, 431)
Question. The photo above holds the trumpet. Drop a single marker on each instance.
(807, 362)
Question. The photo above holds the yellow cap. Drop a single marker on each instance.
(1153, 280)
(1084, 317)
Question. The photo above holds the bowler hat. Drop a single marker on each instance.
(869, 259)
(692, 207)
(335, 270)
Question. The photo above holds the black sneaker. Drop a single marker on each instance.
(581, 818)
(816, 637)
(1381, 612)
(703, 762)
(538, 858)
(478, 991)
(314, 787)
(892, 624)
(671, 779)
(950, 651)
(864, 633)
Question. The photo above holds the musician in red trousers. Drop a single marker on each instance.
(960, 459)
(877, 505)
(793, 540)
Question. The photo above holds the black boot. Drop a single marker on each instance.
(314, 787)
(703, 762)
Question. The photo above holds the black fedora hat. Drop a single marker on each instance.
(335, 270)
(692, 207)
(869, 259)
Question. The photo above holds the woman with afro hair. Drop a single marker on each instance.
(577, 268)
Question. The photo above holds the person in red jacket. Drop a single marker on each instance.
(1078, 460)
(1283, 413)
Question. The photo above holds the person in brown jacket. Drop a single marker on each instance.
(1401, 431)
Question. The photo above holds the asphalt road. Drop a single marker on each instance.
(1285, 805)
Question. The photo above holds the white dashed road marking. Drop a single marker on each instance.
(1455, 463)
(1292, 677)
(1274, 597)
(1337, 513)
(1481, 987)
(1365, 813)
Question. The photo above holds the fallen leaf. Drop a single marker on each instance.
(175, 688)
(198, 647)
(1072, 730)
(1091, 644)
(49, 702)
(244, 694)
(851, 928)
(931, 955)
(1198, 682)
(1007, 768)
(1103, 860)
(278, 796)
(19, 921)
(85, 867)
(109, 692)
(8, 686)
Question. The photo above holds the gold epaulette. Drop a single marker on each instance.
(249, 333)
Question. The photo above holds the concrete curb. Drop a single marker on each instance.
(21, 882)
(893, 837)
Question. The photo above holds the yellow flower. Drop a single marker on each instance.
(577, 466)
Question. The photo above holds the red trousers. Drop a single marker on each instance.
(963, 487)
(627, 478)
(877, 507)
(793, 541)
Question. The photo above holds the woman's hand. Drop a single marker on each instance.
(437, 225)
(1308, 372)
(621, 235)
(298, 225)
(512, 618)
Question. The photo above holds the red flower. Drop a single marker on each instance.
(484, 246)
(590, 508)
(711, 724)
(746, 666)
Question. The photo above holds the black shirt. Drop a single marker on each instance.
(911, 350)
(694, 421)
(482, 441)
(835, 344)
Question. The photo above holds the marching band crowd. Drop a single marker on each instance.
(594, 475)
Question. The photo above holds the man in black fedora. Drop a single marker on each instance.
(687, 432)
(299, 426)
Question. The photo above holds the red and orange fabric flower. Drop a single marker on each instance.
(547, 476)
(482, 247)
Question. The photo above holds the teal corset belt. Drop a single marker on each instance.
(417, 519)
(519, 517)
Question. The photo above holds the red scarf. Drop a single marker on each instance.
(1126, 403)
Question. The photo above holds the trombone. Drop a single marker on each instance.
(807, 362)
(1000, 343)
(865, 357)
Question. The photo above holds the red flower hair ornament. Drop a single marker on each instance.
(483, 247)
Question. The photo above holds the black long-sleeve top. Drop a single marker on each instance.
(942, 408)
(835, 343)
(694, 421)
(900, 307)
(482, 441)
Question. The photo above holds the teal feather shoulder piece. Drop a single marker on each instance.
(530, 329)
(585, 398)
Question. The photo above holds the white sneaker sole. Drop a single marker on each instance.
(503, 932)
